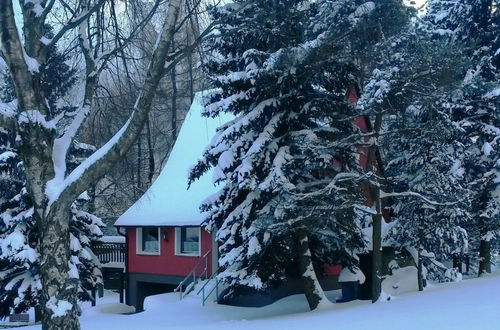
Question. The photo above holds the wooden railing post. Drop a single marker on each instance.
(122, 287)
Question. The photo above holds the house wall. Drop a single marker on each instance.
(167, 263)
(361, 123)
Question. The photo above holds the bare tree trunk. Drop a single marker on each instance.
(374, 164)
(377, 247)
(420, 275)
(138, 190)
(312, 289)
(151, 155)
(457, 262)
(484, 257)
(173, 78)
(190, 68)
(420, 266)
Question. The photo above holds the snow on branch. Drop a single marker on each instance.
(57, 185)
(415, 194)
(62, 144)
(35, 117)
(332, 185)
(492, 94)
(8, 109)
(104, 158)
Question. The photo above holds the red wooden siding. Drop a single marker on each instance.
(167, 263)
(330, 270)
(360, 122)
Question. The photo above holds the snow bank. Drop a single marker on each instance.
(402, 280)
(355, 275)
(472, 304)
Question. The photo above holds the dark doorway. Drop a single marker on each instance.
(145, 289)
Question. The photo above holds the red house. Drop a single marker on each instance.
(164, 240)
(163, 235)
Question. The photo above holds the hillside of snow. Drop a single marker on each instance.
(471, 304)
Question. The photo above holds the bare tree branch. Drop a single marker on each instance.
(107, 156)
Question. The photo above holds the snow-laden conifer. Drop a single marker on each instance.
(423, 159)
(19, 254)
(474, 25)
(288, 165)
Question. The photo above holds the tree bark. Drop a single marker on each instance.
(173, 79)
(457, 262)
(151, 155)
(138, 189)
(12, 49)
(420, 275)
(190, 67)
(484, 258)
(312, 289)
(377, 247)
(374, 164)
(59, 290)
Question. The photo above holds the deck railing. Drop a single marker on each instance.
(110, 252)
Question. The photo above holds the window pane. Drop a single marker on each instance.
(190, 240)
(150, 242)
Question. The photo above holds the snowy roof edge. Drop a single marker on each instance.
(167, 202)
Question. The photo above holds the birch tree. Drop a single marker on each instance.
(44, 138)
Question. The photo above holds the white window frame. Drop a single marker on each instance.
(138, 243)
(178, 243)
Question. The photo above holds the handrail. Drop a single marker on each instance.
(192, 273)
(215, 288)
(209, 279)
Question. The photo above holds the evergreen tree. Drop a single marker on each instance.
(288, 163)
(19, 257)
(20, 285)
(85, 231)
(19, 279)
(414, 76)
(425, 161)
(474, 108)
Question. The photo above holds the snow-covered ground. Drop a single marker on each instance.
(471, 304)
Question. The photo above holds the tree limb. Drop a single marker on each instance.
(108, 155)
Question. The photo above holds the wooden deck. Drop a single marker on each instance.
(112, 256)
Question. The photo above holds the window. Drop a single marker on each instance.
(148, 240)
(187, 241)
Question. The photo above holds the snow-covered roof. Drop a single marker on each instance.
(168, 202)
